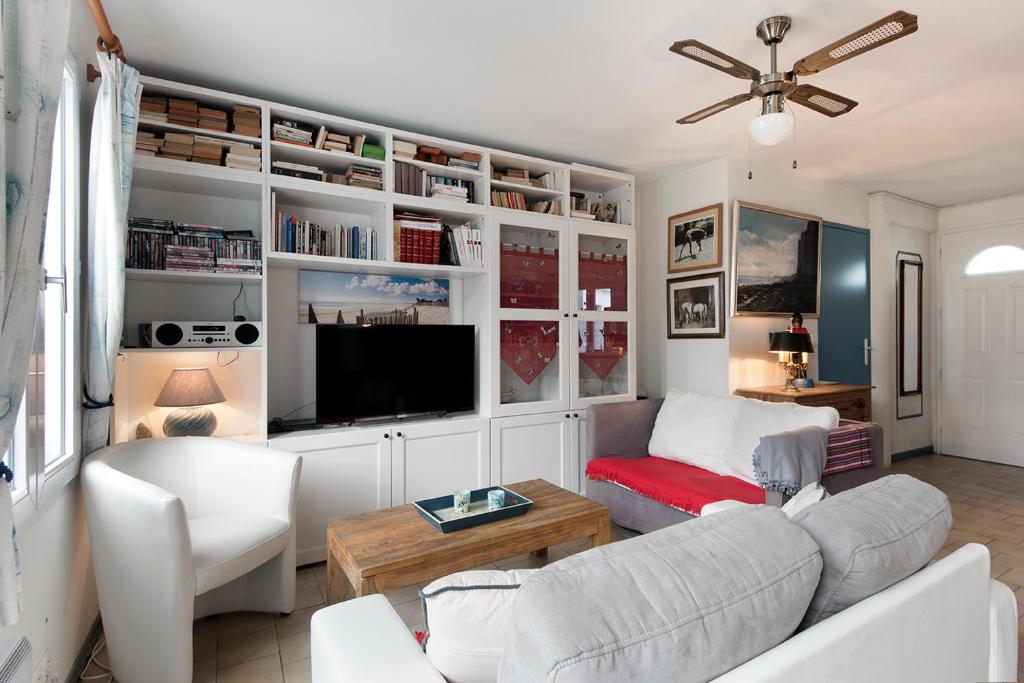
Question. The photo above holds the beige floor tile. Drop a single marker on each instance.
(309, 596)
(305, 578)
(239, 623)
(240, 648)
(523, 562)
(294, 648)
(296, 622)
(403, 595)
(204, 645)
(263, 670)
(298, 672)
(410, 612)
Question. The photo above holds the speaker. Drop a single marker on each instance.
(171, 333)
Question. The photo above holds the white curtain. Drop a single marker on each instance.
(35, 39)
(111, 150)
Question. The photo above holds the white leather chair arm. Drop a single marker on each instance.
(364, 641)
(1002, 633)
(720, 506)
(273, 483)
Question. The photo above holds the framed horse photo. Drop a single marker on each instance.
(695, 240)
(696, 307)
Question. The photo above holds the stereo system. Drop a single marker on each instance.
(169, 333)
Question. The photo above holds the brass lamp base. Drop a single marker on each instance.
(793, 369)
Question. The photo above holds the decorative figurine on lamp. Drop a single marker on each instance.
(791, 346)
(190, 390)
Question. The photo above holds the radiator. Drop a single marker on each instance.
(16, 661)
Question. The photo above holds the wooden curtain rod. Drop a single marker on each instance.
(107, 41)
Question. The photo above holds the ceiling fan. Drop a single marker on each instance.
(775, 122)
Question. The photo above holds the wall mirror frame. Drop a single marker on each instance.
(910, 286)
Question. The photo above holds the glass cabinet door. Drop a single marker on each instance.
(530, 365)
(528, 268)
(603, 353)
(602, 273)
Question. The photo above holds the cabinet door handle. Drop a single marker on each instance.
(565, 315)
(575, 414)
(387, 436)
(398, 434)
(567, 416)
(575, 315)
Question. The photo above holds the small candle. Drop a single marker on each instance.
(495, 499)
(462, 501)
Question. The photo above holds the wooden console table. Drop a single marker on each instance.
(386, 549)
(853, 401)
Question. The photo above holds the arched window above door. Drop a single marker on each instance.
(1001, 259)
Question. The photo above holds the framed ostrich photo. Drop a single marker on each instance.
(695, 240)
(696, 307)
(776, 261)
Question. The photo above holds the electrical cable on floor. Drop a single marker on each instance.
(106, 676)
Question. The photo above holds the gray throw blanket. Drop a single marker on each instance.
(788, 461)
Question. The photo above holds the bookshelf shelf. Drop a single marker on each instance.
(188, 177)
(315, 194)
(284, 151)
(446, 208)
(438, 169)
(584, 224)
(526, 190)
(190, 277)
(191, 349)
(373, 267)
(177, 128)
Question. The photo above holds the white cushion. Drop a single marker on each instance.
(469, 617)
(761, 418)
(695, 429)
(805, 497)
(225, 547)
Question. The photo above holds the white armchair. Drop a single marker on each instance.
(183, 528)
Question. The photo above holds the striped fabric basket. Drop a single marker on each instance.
(849, 448)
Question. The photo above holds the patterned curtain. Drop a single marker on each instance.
(111, 151)
(35, 39)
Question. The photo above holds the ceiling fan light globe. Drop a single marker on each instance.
(771, 129)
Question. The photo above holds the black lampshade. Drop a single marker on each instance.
(790, 342)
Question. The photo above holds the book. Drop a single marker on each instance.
(373, 151)
(400, 148)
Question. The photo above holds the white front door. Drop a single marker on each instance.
(981, 335)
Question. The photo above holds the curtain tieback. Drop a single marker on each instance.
(92, 404)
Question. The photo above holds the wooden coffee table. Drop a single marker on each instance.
(387, 549)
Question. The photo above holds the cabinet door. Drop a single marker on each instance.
(534, 447)
(579, 446)
(603, 280)
(342, 474)
(434, 459)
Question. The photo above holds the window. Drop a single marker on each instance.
(1001, 259)
(43, 450)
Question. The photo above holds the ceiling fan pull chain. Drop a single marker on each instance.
(794, 134)
(750, 172)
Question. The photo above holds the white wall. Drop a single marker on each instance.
(900, 225)
(777, 184)
(692, 364)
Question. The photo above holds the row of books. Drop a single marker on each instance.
(410, 150)
(245, 120)
(427, 239)
(415, 181)
(199, 148)
(306, 135)
(355, 175)
(161, 244)
(516, 200)
(294, 236)
(582, 207)
(521, 176)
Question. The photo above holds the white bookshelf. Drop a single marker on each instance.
(242, 199)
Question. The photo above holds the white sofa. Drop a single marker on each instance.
(948, 622)
(183, 528)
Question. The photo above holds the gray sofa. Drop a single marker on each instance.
(624, 430)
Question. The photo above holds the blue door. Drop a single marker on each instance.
(844, 327)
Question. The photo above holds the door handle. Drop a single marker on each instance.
(58, 280)
(867, 352)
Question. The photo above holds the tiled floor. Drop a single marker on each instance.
(262, 648)
(988, 507)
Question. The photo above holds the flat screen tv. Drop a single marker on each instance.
(393, 370)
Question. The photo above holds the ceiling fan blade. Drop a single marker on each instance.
(714, 109)
(709, 56)
(821, 101)
(885, 30)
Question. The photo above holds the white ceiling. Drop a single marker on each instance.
(939, 119)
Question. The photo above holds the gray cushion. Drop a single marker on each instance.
(872, 537)
(686, 603)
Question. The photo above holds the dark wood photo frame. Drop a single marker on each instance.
(708, 218)
(693, 311)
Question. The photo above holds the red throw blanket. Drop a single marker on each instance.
(849, 448)
(675, 484)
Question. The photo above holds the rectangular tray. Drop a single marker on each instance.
(440, 511)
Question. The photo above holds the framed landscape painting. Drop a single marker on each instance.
(695, 240)
(776, 259)
(696, 307)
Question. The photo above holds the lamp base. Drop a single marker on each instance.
(197, 421)
(790, 387)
